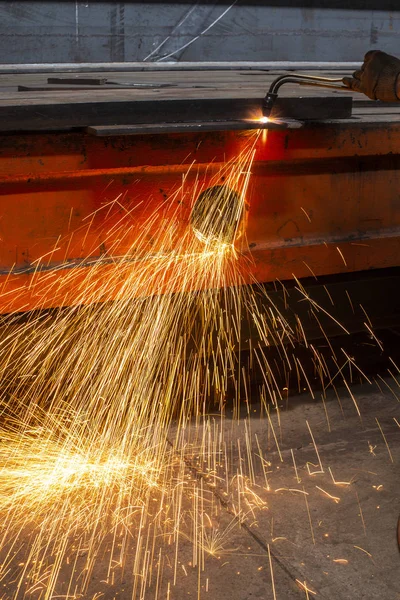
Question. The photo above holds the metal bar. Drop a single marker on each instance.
(265, 168)
(321, 200)
(155, 128)
(173, 66)
(41, 115)
(142, 171)
(77, 80)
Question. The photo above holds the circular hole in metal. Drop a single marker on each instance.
(217, 214)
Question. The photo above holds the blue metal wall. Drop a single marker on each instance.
(72, 31)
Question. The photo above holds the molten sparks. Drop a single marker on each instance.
(106, 448)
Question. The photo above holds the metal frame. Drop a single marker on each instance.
(122, 67)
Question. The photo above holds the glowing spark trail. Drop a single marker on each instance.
(89, 392)
(108, 459)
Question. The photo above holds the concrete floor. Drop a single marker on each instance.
(343, 547)
(338, 540)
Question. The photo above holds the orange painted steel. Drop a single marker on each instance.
(322, 200)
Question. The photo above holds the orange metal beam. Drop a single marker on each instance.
(322, 200)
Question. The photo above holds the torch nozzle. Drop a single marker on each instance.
(268, 104)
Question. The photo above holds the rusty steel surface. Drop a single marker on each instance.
(322, 200)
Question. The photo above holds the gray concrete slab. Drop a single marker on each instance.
(299, 502)
(331, 519)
